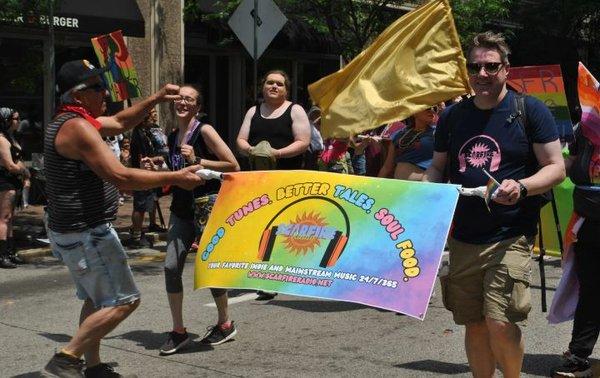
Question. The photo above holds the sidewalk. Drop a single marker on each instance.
(29, 227)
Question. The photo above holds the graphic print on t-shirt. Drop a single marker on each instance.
(481, 151)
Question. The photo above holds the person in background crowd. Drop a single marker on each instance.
(193, 142)
(114, 143)
(125, 153)
(487, 287)
(147, 141)
(583, 166)
(25, 192)
(82, 176)
(12, 174)
(276, 133)
(316, 141)
(360, 144)
(335, 157)
(410, 152)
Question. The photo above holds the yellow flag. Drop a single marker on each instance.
(415, 63)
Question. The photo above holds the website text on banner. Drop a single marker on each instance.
(358, 239)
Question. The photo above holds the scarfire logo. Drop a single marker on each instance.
(305, 233)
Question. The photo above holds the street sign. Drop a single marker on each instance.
(269, 23)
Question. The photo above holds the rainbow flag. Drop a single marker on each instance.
(359, 239)
(589, 98)
(491, 187)
(121, 77)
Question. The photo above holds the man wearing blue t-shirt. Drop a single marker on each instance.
(487, 288)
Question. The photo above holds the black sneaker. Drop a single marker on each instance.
(174, 342)
(265, 295)
(104, 371)
(5, 263)
(64, 366)
(156, 228)
(216, 335)
(573, 366)
(140, 243)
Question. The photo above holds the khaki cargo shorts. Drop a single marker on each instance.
(489, 280)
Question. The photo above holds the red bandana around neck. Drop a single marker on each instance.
(82, 112)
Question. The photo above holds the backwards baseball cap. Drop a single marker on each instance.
(75, 72)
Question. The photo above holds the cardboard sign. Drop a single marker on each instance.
(546, 84)
(121, 77)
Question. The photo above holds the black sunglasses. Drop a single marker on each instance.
(98, 87)
(491, 68)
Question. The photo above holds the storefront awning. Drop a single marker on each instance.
(99, 17)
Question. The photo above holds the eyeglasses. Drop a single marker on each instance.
(490, 68)
(188, 100)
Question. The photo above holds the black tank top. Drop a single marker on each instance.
(5, 175)
(182, 203)
(77, 198)
(278, 132)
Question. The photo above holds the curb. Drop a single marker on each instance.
(32, 253)
(28, 254)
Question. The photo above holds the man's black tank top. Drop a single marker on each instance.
(77, 198)
(278, 132)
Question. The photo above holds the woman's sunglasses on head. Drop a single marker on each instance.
(491, 68)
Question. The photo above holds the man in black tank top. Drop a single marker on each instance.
(82, 180)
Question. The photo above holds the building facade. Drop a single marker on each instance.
(164, 50)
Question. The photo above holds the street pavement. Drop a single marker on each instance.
(286, 336)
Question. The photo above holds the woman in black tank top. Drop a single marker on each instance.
(12, 173)
(192, 142)
(283, 124)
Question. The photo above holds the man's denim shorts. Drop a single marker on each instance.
(98, 265)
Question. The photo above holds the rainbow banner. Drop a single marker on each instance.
(589, 98)
(546, 84)
(366, 240)
(121, 77)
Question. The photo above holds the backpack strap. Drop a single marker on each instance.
(521, 116)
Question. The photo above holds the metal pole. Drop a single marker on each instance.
(49, 62)
(541, 265)
(557, 223)
(255, 89)
(51, 59)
